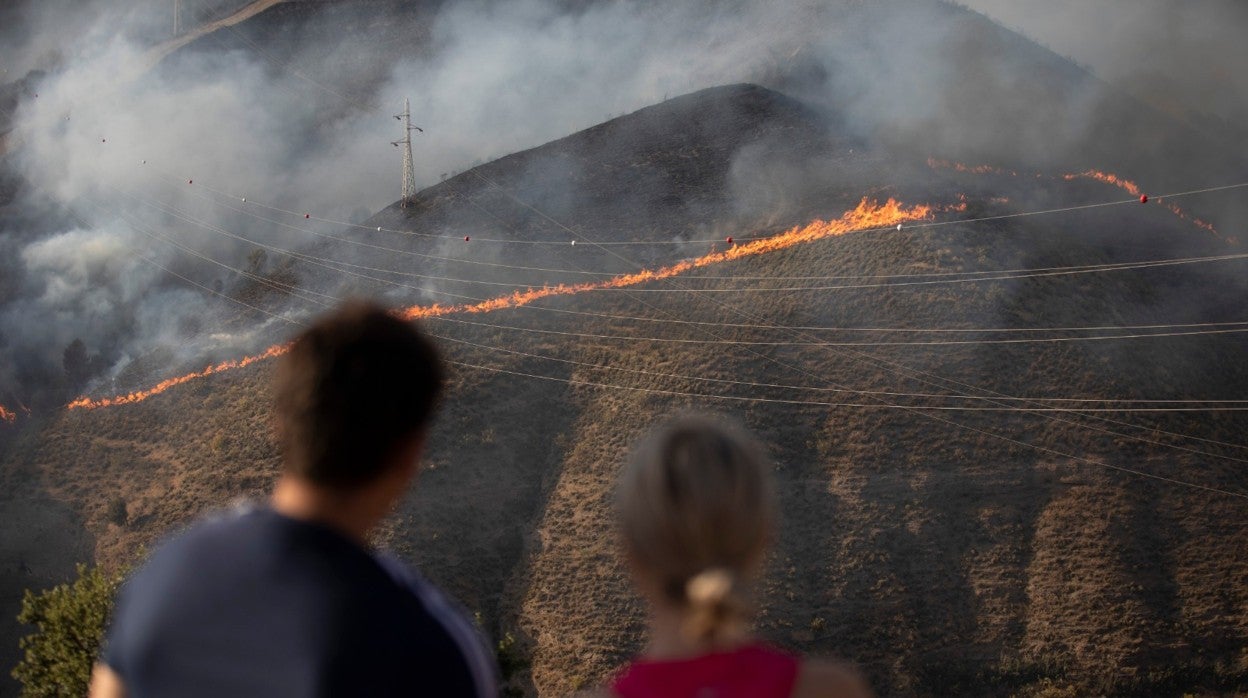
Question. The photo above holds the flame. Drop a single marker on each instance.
(7, 415)
(1133, 189)
(1105, 177)
(971, 169)
(1108, 178)
(867, 215)
(141, 395)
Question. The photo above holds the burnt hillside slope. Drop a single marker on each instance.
(992, 551)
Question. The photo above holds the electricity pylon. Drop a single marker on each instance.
(409, 170)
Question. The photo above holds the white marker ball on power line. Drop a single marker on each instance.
(899, 226)
(244, 199)
(574, 242)
(379, 228)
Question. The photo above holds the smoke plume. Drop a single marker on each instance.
(129, 212)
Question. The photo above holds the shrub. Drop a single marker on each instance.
(117, 512)
(69, 622)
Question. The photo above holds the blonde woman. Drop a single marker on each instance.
(696, 513)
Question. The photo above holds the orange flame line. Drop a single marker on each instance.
(7, 415)
(141, 395)
(1105, 177)
(867, 215)
(1108, 178)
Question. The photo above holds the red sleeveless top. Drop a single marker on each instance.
(754, 671)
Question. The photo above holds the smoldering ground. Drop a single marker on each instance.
(117, 245)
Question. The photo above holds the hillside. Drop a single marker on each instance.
(948, 552)
(960, 513)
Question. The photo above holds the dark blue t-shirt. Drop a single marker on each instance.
(258, 604)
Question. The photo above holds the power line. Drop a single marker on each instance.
(285, 287)
(566, 241)
(1215, 405)
(659, 391)
(974, 276)
(552, 219)
(934, 417)
(826, 343)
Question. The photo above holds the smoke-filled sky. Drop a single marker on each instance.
(1190, 54)
(303, 121)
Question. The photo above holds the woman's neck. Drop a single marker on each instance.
(668, 639)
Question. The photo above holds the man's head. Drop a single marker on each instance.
(352, 393)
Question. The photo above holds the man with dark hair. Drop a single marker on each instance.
(287, 600)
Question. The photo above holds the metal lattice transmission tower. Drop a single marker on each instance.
(409, 170)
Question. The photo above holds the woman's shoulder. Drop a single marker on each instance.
(752, 667)
(821, 678)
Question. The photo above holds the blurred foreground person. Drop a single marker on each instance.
(287, 599)
(696, 514)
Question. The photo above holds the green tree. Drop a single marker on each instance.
(69, 621)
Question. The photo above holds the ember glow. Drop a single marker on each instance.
(971, 169)
(866, 216)
(6, 415)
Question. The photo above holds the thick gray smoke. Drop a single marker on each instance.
(303, 120)
(1185, 56)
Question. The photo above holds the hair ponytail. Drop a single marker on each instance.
(715, 611)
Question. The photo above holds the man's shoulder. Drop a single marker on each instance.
(246, 550)
(269, 591)
(222, 532)
(446, 625)
(220, 529)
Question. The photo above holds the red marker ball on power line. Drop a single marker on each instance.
(728, 239)
(466, 238)
(1143, 198)
(190, 181)
(307, 215)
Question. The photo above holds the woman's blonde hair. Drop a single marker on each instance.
(696, 508)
